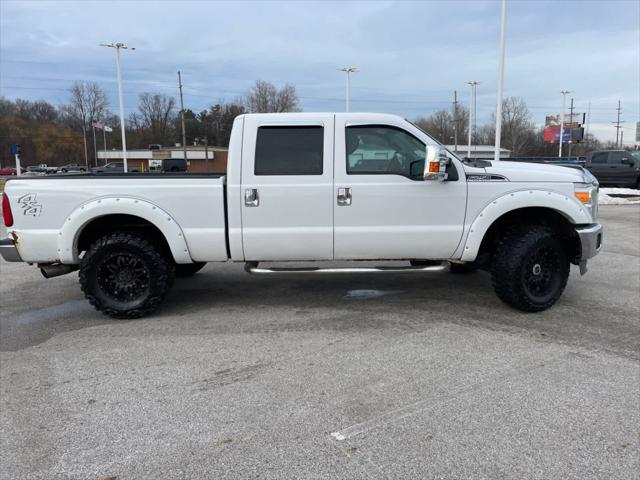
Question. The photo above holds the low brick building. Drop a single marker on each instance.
(151, 159)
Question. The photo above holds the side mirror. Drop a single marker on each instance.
(626, 161)
(436, 162)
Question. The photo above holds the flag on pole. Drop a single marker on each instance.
(107, 129)
(96, 124)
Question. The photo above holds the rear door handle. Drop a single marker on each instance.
(251, 197)
(344, 196)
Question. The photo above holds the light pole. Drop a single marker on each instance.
(119, 46)
(472, 113)
(564, 102)
(503, 27)
(348, 71)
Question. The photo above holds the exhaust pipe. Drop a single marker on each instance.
(50, 271)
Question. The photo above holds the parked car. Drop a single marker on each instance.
(42, 168)
(113, 167)
(72, 167)
(311, 187)
(10, 170)
(616, 168)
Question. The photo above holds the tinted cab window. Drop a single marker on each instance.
(289, 150)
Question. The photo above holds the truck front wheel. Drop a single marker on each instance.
(124, 276)
(530, 268)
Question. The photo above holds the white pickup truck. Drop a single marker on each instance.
(310, 187)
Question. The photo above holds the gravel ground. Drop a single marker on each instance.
(336, 377)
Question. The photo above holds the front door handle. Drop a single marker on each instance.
(344, 196)
(251, 197)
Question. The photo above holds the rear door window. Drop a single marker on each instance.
(289, 150)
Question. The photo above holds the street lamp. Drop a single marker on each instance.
(564, 102)
(348, 71)
(503, 27)
(119, 46)
(472, 111)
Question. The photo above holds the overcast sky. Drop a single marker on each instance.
(412, 55)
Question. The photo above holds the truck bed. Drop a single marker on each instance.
(50, 213)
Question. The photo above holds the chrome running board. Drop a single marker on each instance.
(252, 267)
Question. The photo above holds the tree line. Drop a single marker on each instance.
(62, 134)
(57, 135)
(518, 133)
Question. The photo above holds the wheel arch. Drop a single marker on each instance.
(104, 215)
(528, 206)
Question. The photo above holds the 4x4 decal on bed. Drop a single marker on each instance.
(29, 205)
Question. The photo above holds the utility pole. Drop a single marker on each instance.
(472, 112)
(84, 138)
(570, 121)
(586, 133)
(206, 154)
(455, 120)
(184, 134)
(118, 47)
(617, 124)
(95, 147)
(503, 27)
(348, 71)
(564, 100)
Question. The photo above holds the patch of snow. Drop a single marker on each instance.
(604, 199)
(620, 191)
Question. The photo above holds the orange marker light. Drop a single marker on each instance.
(584, 197)
(434, 167)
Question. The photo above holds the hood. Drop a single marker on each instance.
(535, 172)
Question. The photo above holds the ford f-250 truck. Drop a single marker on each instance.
(310, 187)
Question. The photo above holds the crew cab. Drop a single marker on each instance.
(310, 187)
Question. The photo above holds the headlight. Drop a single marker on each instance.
(587, 194)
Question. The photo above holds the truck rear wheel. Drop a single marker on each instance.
(530, 268)
(124, 276)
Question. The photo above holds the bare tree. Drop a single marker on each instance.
(155, 116)
(264, 97)
(518, 131)
(88, 102)
(441, 125)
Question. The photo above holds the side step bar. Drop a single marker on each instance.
(252, 267)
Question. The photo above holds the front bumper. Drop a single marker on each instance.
(9, 251)
(590, 243)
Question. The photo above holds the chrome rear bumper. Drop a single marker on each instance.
(9, 251)
(590, 242)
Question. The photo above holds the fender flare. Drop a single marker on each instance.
(567, 206)
(85, 213)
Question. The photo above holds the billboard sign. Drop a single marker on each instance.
(572, 133)
(554, 120)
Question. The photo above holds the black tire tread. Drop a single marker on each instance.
(162, 277)
(505, 269)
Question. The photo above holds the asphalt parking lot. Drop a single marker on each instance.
(397, 376)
